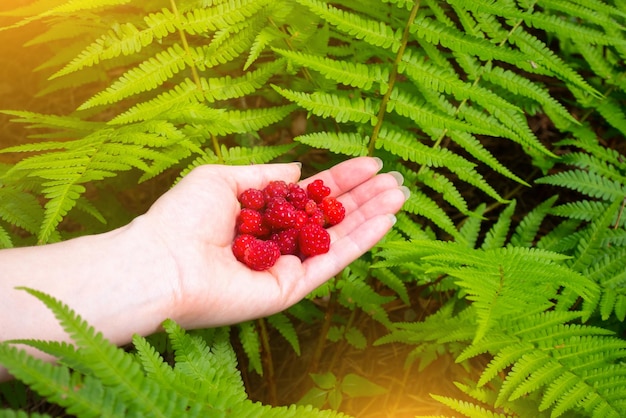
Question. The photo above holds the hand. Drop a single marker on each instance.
(195, 221)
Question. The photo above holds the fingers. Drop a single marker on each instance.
(347, 175)
(369, 216)
(241, 178)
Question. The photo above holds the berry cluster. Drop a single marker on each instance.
(284, 219)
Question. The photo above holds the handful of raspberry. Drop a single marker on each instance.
(284, 219)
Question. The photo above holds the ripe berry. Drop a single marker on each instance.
(333, 210)
(250, 222)
(313, 240)
(284, 219)
(287, 241)
(297, 196)
(317, 191)
(241, 244)
(276, 188)
(252, 199)
(261, 255)
(280, 214)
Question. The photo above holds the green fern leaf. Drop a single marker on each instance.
(284, 326)
(468, 409)
(374, 32)
(526, 231)
(588, 183)
(20, 209)
(421, 205)
(519, 85)
(470, 230)
(339, 106)
(124, 39)
(352, 74)
(249, 337)
(421, 112)
(82, 397)
(147, 76)
(434, 32)
(542, 56)
(347, 143)
(428, 75)
(497, 234)
(213, 367)
(110, 364)
(37, 12)
(220, 16)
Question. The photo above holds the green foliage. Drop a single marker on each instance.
(329, 390)
(470, 101)
(94, 378)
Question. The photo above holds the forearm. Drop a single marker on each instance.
(108, 279)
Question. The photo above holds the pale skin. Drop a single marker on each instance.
(175, 261)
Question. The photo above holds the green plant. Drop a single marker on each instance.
(95, 378)
(332, 391)
(475, 103)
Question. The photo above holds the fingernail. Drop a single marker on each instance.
(379, 162)
(392, 218)
(406, 192)
(399, 177)
(298, 163)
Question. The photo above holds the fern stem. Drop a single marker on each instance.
(194, 74)
(269, 362)
(321, 341)
(392, 79)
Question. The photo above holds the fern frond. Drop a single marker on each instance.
(213, 367)
(543, 56)
(146, 76)
(352, 74)
(468, 409)
(498, 233)
(69, 7)
(83, 397)
(435, 32)
(341, 107)
(20, 209)
(220, 16)
(374, 32)
(522, 86)
(251, 343)
(110, 364)
(284, 326)
(422, 205)
(587, 182)
(424, 115)
(347, 143)
(526, 231)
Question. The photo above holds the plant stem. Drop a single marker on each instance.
(321, 341)
(392, 79)
(269, 363)
(194, 74)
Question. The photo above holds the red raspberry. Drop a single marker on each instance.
(333, 210)
(301, 219)
(280, 214)
(241, 245)
(287, 241)
(250, 222)
(252, 199)
(297, 196)
(276, 188)
(317, 217)
(313, 240)
(317, 191)
(261, 255)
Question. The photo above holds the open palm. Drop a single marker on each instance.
(196, 221)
